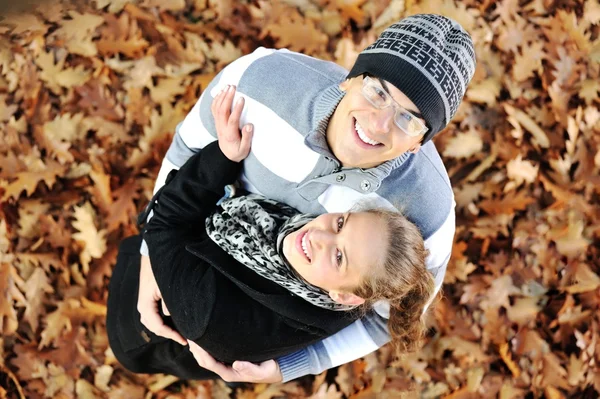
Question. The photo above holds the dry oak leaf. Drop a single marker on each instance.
(24, 22)
(72, 352)
(520, 171)
(9, 291)
(589, 90)
(28, 362)
(569, 239)
(350, 9)
(123, 210)
(524, 310)
(519, 119)
(114, 6)
(528, 61)
(162, 125)
(464, 145)
(121, 35)
(88, 235)
(36, 288)
(78, 31)
(96, 98)
(101, 191)
(166, 90)
(30, 212)
(56, 76)
(70, 312)
(296, 32)
(497, 295)
(29, 180)
(485, 91)
(510, 203)
(580, 278)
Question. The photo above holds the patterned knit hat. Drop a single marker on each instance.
(430, 58)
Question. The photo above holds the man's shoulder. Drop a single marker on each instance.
(420, 188)
(270, 66)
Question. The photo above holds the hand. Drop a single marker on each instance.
(267, 372)
(147, 304)
(234, 144)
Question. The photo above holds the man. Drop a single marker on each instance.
(323, 140)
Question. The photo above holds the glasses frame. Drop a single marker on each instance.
(368, 81)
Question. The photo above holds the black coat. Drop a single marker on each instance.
(223, 306)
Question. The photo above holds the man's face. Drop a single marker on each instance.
(361, 135)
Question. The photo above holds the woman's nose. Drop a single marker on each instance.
(321, 239)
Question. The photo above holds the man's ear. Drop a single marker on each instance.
(346, 298)
(415, 148)
(345, 84)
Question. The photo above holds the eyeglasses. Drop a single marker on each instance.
(381, 99)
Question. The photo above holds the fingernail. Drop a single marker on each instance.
(248, 128)
(229, 87)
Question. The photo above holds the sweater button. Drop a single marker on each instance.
(365, 185)
(340, 178)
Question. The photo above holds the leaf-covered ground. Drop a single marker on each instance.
(90, 93)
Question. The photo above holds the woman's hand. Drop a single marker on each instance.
(267, 372)
(147, 305)
(234, 144)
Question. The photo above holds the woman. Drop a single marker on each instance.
(255, 280)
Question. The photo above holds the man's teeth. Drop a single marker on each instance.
(304, 246)
(363, 136)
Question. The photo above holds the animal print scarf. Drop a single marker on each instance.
(251, 228)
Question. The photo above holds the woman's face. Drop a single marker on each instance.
(335, 250)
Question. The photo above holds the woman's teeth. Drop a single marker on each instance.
(363, 136)
(304, 247)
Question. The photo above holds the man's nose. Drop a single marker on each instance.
(382, 120)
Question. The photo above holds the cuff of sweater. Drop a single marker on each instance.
(295, 365)
(144, 249)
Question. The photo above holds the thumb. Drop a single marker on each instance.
(249, 369)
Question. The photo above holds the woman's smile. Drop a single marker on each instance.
(303, 246)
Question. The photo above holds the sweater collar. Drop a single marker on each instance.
(324, 106)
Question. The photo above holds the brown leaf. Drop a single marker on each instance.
(9, 291)
(88, 235)
(36, 288)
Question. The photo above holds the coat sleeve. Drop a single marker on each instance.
(187, 284)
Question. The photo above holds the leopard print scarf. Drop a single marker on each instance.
(251, 228)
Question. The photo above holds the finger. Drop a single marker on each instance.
(153, 322)
(208, 362)
(246, 143)
(227, 102)
(218, 100)
(248, 370)
(164, 309)
(236, 112)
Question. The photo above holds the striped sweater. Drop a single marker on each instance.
(289, 98)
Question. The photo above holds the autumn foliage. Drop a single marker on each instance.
(90, 94)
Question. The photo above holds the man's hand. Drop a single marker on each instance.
(267, 372)
(147, 304)
(234, 144)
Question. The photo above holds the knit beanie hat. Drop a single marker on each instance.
(430, 58)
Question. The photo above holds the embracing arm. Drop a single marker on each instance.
(355, 341)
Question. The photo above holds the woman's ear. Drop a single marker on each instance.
(346, 298)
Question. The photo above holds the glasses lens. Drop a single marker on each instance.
(410, 124)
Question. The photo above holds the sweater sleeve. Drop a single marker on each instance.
(198, 128)
(355, 341)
